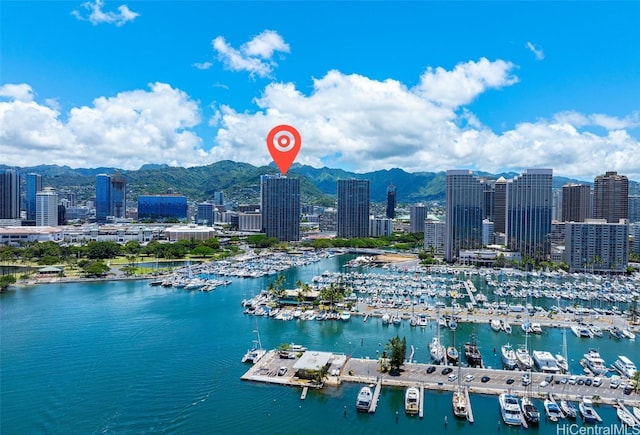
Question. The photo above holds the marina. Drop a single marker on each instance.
(130, 357)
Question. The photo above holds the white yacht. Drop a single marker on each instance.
(363, 402)
(524, 359)
(562, 363)
(594, 362)
(496, 325)
(625, 366)
(545, 362)
(510, 409)
(254, 354)
(508, 357)
(553, 411)
(568, 409)
(412, 401)
(581, 331)
(536, 328)
(437, 351)
(459, 403)
(589, 415)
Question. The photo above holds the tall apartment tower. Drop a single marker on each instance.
(499, 205)
(353, 208)
(417, 217)
(611, 197)
(281, 208)
(391, 201)
(529, 206)
(9, 194)
(34, 185)
(118, 203)
(103, 197)
(576, 202)
(463, 213)
(47, 208)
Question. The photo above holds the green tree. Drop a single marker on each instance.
(6, 281)
(396, 349)
(95, 268)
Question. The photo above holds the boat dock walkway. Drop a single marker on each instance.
(305, 390)
(376, 397)
(421, 408)
(270, 369)
(469, 409)
(471, 289)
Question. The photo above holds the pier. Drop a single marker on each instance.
(471, 289)
(421, 408)
(469, 409)
(376, 397)
(305, 389)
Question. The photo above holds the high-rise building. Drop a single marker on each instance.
(111, 196)
(204, 215)
(33, 186)
(280, 210)
(103, 197)
(489, 198)
(9, 194)
(380, 227)
(500, 205)
(576, 202)
(529, 204)
(353, 208)
(463, 212)
(434, 236)
(391, 201)
(47, 208)
(634, 208)
(162, 207)
(118, 201)
(218, 198)
(417, 217)
(611, 197)
(597, 246)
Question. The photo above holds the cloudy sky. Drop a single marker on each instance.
(423, 86)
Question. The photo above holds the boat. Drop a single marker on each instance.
(536, 328)
(345, 315)
(581, 331)
(589, 415)
(412, 401)
(628, 334)
(595, 330)
(510, 409)
(594, 363)
(530, 412)
(636, 412)
(625, 366)
(422, 320)
(386, 319)
(506, 327)
(496, 325)
(396, 319)
(616, 332)
(509, 360)
(363, 402)
(524, 359)
(562, 363)
(545, 362)
(626, 418)
(553, 411)
(459, 403)
(254, 354)
(453, 325)
(472, 352)
(452, 355)
(437, 351)
(568, 409)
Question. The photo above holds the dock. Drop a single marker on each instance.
(376, 396)
(305, 389)
(421, 408)
(469, 409)
(471, 289)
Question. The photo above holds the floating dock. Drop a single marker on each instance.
(376, 396)
(469, 409)
(305, 390)
(421, 409)
(471, 289)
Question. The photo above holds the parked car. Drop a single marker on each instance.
(452, 377)
(446, 370)
(469, 378)
(282, 371)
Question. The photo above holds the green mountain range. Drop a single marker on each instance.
(241, 181)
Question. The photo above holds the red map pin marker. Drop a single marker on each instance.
(283, 143)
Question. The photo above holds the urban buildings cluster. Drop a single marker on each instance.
(522, 219)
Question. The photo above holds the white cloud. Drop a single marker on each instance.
(255, 56)
(127, 130)
(203, 65)
(536, 50)
(95, 15)
(354, 122)
(20, 92)
(346, 120)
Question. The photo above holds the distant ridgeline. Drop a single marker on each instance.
(241, 181)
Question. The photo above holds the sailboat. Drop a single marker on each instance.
(525, 362)
(562, 360)
(459, 400)
(436, 349)
(254, 354)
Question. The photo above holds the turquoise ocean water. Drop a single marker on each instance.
(125, 357)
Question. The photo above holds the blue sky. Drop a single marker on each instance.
(424, 86)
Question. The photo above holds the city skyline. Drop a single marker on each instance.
(442, 85)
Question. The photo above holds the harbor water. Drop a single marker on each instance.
(126, 357)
